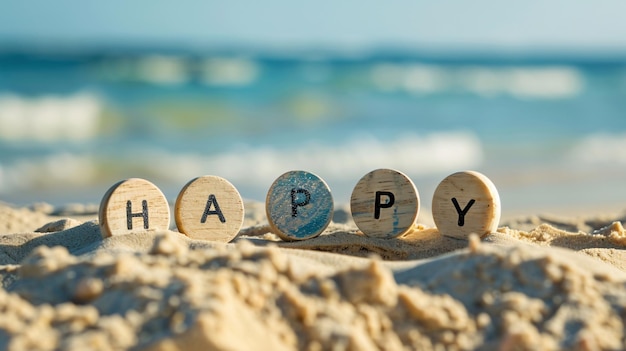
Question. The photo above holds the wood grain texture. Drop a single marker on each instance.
(148, 208)
(384, 204)
(464, 203)
(209, 208)
(299, 206)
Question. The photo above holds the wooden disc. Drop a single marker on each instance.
(384, 204)
(131, 206)
(299, 206)
(464, 203)
(209, 208)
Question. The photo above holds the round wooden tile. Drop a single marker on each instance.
(209, 208)
(384, 204)
(299, 205)
(131, 206)
(464, 203)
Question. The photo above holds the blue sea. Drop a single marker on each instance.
(549, 131)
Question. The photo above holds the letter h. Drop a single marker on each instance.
(143, 214)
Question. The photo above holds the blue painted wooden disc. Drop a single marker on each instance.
(299, 205)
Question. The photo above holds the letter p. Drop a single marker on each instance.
(391, 199)
(299, 198)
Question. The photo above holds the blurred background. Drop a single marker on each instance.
(532, 94)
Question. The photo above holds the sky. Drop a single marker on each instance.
(562, 24)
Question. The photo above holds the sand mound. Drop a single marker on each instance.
(66, 287)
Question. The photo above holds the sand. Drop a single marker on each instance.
(539, 283)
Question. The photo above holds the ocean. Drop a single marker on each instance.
(550, 132)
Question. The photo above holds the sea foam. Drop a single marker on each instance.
(252, 166)
(49, 118)
(601, 148)
(347, 161)
(523, 82)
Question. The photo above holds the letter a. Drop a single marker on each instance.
(207, 210)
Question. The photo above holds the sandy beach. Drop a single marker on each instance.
(538, 283)
(316, 176)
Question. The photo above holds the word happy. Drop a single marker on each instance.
(384, 204)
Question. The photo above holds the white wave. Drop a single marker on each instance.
(251, 167)
(162, 70)
(545, 82)
(601, 148)
(426, 79)
(62, 169)
(49, 118)
(482, 81)
(229, 71)
(441, 152)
